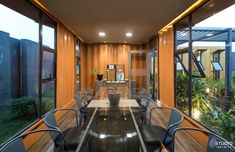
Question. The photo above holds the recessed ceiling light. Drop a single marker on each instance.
(102, 34)
(129, 34)
(124, 41)
(104, 41)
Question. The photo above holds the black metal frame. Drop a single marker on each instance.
(195, 61)
(50, 50)
(199, 130)
(57, 110)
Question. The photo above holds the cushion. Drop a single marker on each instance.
(154, 135)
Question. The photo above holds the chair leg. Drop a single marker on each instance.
(143, 116)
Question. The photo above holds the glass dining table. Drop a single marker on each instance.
(112, 129)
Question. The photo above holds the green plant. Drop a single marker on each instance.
(233, 80)
(20, 108)
(96, 71)
(200, 98)
(182, 91)
(205, 91)
(217, 86)
(222, 123)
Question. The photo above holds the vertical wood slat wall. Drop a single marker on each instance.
(166, 67)
(99, 55)
(66, 74)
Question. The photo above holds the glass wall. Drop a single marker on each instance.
(26, 79)
(48, 64)
(212, 54)
(78, 67)
(182, 64)
(153, 87)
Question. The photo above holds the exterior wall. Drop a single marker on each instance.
(5, 69)
(19, 65)
(29, 67)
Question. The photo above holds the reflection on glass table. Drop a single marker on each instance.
(112, 129)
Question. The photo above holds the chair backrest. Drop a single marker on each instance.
(51, 123)
(214, 142)
(141, 94)
(80, 102)
(175, 119)
(17, 144)
(14, 145)
(86, 93)
(145, 101)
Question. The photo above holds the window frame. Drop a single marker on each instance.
(41, 49)
(189, 71)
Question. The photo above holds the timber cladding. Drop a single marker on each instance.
(97, 56)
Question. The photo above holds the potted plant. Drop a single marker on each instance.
(98, 73)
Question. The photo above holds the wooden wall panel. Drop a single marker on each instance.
(66, 77)
(99, 55)
(166, 67)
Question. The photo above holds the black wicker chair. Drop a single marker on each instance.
(71, 134)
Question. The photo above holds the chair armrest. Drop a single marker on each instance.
(229, 144)
(156, 108)
(69, 109)
(171, 126)
(31, 132)
(44, 130)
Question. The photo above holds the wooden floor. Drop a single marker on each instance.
(45, 144)
(186, 144)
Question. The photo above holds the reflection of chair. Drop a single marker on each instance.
(144, 104)
(82, 106)
(87, 95)
(71, 134)
(154, 135)
(215, 143)
(17, 144)
(140, 94)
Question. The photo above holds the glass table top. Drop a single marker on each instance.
(112, 129)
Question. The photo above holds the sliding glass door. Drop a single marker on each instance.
(138, 71)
